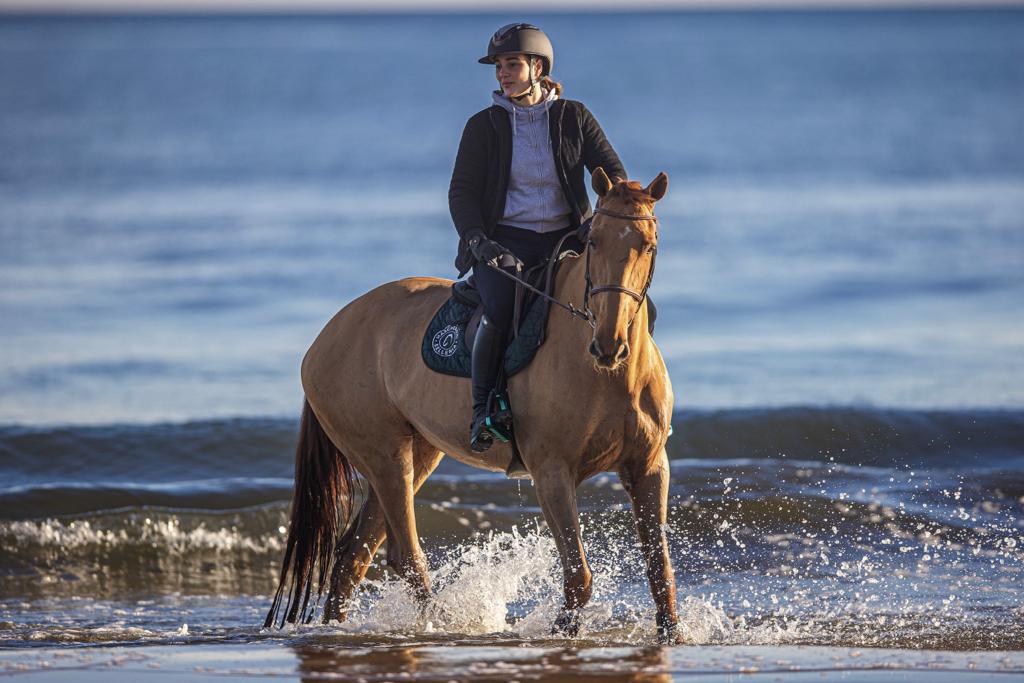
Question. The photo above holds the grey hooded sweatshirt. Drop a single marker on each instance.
(535, 198)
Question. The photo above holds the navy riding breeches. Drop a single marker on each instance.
(499, 292)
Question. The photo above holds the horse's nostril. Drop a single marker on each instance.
(594, 349)
(623, 353)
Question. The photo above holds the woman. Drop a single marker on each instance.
(518, 188)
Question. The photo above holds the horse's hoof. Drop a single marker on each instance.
(334, 610)
(567, 624)
(435, 614)
(670, 635)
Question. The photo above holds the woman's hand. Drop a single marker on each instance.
(493, 254)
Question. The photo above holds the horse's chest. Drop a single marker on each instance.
(607, 449)
(599, 458)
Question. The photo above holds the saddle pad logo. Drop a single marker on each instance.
(446, 341)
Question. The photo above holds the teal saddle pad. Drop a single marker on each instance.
(444, 343)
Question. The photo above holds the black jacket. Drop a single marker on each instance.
(476, 196)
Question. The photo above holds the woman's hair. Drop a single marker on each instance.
(549, 83)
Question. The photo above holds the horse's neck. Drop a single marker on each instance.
(569, 288)
(574, 335)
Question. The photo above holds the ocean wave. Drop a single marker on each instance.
(68, 498)
(166, 533)
(857, 436)
(140, 551)
(917, 460)
(264, 448)
(148, 453)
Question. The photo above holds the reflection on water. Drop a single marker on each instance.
(505, 661)
(498, 661)
(366, 660)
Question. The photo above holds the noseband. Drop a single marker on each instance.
(591, 290)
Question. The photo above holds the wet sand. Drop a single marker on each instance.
(482, 660)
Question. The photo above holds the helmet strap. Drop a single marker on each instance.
(533, 81)
(525, 93)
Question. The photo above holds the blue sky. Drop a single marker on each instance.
(463, 5)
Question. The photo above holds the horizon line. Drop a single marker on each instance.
(284, 7)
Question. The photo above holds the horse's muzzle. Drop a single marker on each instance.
(609, 359)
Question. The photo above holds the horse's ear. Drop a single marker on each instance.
(600, 182)
(658, 186)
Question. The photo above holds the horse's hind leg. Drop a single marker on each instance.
(353, 555)
(356, 549)
(395, 490)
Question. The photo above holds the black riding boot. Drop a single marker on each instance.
(488, 352)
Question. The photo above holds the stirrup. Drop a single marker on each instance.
(499, 418)
(483, 438)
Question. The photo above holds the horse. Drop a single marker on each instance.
(596, 398)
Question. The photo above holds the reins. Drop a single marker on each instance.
(585, 313)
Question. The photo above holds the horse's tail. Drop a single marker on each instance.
(321, 509)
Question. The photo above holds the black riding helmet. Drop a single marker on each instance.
(523, 39)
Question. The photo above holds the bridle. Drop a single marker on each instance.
(585, 313)
(591, 290)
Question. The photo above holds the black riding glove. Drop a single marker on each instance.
(583, 232)
(493, 254)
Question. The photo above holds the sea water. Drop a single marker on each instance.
(184, 201)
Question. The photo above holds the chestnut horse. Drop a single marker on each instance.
(596, 398)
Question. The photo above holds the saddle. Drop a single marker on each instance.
(448, 341)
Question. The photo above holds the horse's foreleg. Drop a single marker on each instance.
(648, 490)
(556, 492)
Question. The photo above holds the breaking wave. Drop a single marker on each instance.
(230, 464)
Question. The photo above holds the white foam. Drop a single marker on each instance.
(165, 533)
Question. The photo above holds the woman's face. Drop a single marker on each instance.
(513, 73)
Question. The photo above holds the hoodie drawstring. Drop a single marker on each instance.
(536, 189)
